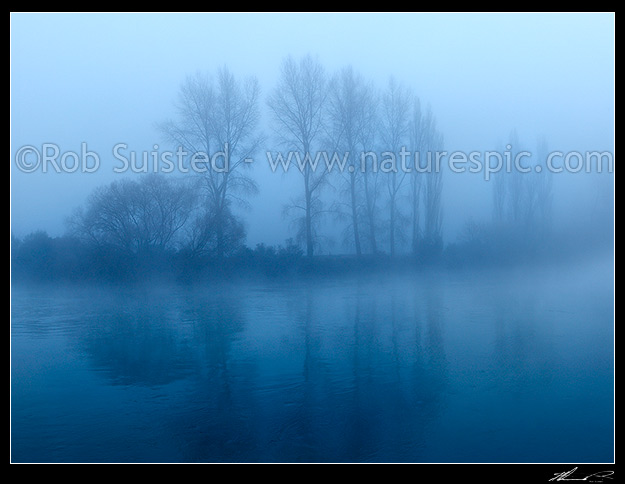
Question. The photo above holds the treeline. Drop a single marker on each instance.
(157, 227)
(186, 226)
(37, 257)
(40, 258)
(312, 111)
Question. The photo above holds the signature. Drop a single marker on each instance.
(595, 477)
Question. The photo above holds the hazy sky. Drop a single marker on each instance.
(104, 79)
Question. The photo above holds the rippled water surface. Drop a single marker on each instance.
(495, 367)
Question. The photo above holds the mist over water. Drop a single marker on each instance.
(443, 368)
(191, 282)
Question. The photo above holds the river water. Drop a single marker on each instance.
(508, 366)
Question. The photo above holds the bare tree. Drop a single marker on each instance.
(433, 189)
(499, 195)
(218, 118)
(544, 186)
(349, 123)
(515, 181)
(368, 165)
(425, 177)
(138, 216)
(394, 118)
(297, 105)
(418, 131)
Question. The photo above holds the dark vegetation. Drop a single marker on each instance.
(41, 258)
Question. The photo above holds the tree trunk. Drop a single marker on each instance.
(308, 219)
(370, 217)
(392, 225)
(355, 215)
(415, 216)
(220, 249)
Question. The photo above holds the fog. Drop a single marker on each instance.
(319, 237)
(105, 79)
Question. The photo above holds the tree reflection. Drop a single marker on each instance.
(133, 338)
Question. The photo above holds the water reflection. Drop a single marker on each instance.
(135, 343)
(392, 370)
